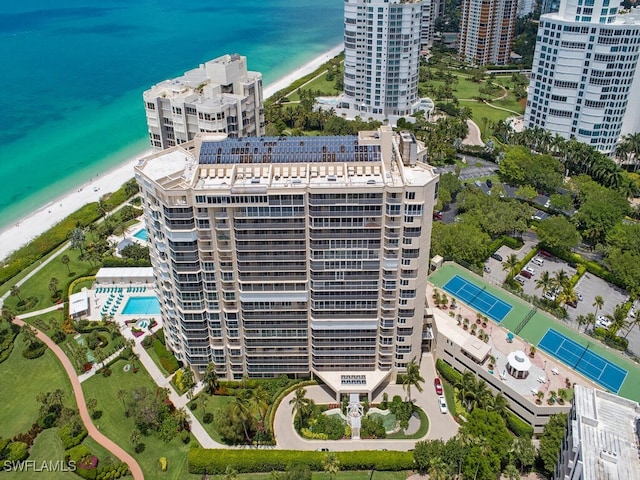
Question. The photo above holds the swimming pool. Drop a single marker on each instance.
(141, 234)
(142, 306)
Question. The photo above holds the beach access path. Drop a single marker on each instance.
(46, 216)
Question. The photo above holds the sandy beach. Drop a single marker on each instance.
(48, 215)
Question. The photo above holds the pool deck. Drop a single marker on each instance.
(534, 330)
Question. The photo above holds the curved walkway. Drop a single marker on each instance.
(109, 445)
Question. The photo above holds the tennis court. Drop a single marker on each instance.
(583, 360)
(478, 298)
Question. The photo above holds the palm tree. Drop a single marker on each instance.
(568, 295)
(259, 402)
(437, 469)
(53, 286)
(300, 404)
(498, 404)
(65, 261)
(412, 377)
(511, 264)
(15, 292)
(230, 474)
(465, 388)
(581, 320)
(242, 410)
(331, 464)
(545, 282)
(481, 395)
(77, 239)
(561, 279)
(210, 379)
(598, 302)
(122, 395)
(131, 188)
(590, 320)
(135, 436)
(618, 319)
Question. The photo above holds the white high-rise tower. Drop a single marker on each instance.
(585, 80)
(382, 57)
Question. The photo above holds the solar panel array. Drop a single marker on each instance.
(288, 150)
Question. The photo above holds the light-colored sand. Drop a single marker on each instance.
(48, 215)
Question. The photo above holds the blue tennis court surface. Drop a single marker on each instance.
(583, 360)
(478, 298)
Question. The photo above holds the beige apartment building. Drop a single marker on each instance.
(293, 255)
(220, 96)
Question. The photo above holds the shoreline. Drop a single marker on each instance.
(46, 216)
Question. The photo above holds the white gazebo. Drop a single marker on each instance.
(518, 364)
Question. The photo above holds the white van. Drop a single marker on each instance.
(538, 261)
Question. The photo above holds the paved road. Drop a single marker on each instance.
(105, 442)
(441, 426)
(473, 137)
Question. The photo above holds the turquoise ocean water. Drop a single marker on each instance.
(73, 73)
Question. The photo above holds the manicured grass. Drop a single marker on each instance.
(116, 426)
(47, 322)
(48, 448)
(154, 356)
(538, 325)
(320, 84)
(422, 431)
(23, 381)
(214, 403)
(450, 396)
(38, 285)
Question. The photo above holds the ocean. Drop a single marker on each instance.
(73, 73)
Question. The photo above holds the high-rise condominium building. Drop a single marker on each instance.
(487, 28)
(292, 255)
(549, 6)
(601, 439)
(585, 73)
(220, 96)
(431, 9)
(382, 57)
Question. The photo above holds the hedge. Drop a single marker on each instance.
(518, 427)
(448, 372)
(167, 359)
(212, 461)
(69, 441)
(276, 403)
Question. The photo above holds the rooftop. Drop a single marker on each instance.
(606, 427)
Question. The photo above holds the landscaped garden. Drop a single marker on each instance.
(137, 415)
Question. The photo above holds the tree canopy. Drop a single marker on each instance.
(558, 232)
(522, 167)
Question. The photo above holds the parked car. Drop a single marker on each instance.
(443, 404)
(496, 256)
(537, 261)
(438, 386)
(580, 297)
(530, 270)
(603, 322)
(487, 268)
(477, 183)
(572, 303)
(545, 253)
(525, 274)
(489, 183)
(550, 296)
(519, 279)
(437, 215)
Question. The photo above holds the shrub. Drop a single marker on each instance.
(76, 453)
(47, 421)
(372, 428)
(448, 372)
(518, 427)
(185, 436)
(306, 433)
(139, 448)
(58, 336)
(248, 461)
(163, 464)
(167, 360)
(207, 417)
(72, 434)
(15, 452)
(35, 351)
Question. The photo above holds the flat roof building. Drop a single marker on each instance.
(292, 255)
(602, 438)
(220, 96)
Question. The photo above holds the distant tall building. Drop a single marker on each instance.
(487, 28)
(430, 11)
(602, 437)
(585, 82)
(382, 57)
(220, 96)
(293, 255)
(549, 6)
(525, 7)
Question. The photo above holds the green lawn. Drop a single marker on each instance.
(23, 381)
(116, 426)
(47, 322)
(538, 325)
(38, 285)
(154, 356)
(48, 448)
(422, 431)
(320, 84)
(214, 403)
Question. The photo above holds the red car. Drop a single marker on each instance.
(525, 274)
(545, 253)
(438, 384)
(437, 215)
